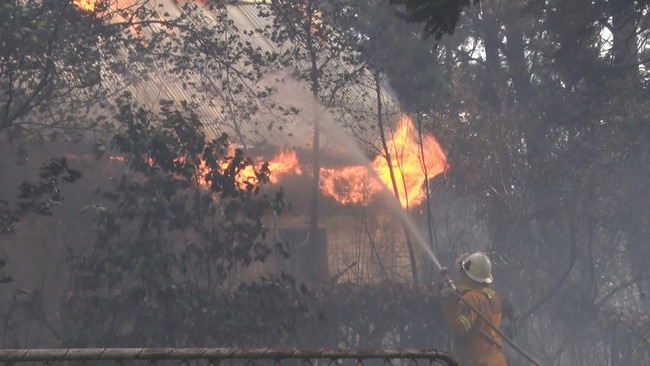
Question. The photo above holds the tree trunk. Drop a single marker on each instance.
(491, 40)
(314, 239)
(382, 134)
(625, 45)
(517, 65)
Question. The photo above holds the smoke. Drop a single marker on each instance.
(334, 137)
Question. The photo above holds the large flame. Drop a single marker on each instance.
(286, 162)
(410, 163)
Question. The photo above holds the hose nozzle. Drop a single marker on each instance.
(444, 271)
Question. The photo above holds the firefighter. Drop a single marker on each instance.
(475, 342)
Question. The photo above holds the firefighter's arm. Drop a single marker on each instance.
(459, 315)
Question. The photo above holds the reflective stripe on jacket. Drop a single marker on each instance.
(475, 342)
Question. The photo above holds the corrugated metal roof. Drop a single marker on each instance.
(354, 107)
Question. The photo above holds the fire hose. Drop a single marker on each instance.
(450, 283)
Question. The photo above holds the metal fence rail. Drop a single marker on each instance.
(219, 355)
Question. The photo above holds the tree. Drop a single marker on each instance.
(35, 198)
(399, 61)
(318, 52)
(171, 233)
(51, 65)
(535, 127)
(96, 49)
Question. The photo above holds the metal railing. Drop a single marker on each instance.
(221, 356)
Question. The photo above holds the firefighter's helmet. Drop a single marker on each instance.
(478, 267)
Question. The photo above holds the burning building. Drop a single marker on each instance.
(361, 163)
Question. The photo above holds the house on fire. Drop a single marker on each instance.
(360, 238)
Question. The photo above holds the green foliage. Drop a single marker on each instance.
(42, 196)
(389, 315)
(547, 133)
(212, 63)
(316, 48)
(170, 232)
(39, 198)
(278, 312)
(170, 236)
(545, 139)
(396, 49)
(50, 58)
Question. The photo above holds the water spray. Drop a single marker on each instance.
(396, 205)
(409, 226)
(444, 272)
(414, 232)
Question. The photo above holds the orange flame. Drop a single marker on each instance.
(354, 184)
(410, 169)
(85, 5)
(349, 185)
(91, 6)
(285, 162)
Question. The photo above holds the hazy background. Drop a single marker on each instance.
(540, 110)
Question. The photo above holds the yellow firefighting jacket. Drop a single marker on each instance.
(475, 342)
